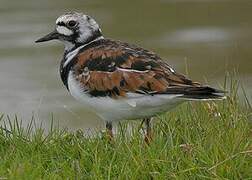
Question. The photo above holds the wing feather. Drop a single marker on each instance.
(113, 68)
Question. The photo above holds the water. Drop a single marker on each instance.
(206, 37)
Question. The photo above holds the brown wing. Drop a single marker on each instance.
(113, 69)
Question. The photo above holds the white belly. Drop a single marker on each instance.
(134, 107)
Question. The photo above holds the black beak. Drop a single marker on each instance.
(51, 36)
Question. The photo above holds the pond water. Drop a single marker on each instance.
(201, 38)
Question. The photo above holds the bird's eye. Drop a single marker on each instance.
(71, 23)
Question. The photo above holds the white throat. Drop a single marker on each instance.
(68, 45)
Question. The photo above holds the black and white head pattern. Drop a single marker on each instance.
(77, 28)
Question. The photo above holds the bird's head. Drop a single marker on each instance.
(74, 29)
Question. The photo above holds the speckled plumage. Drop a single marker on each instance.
(113, 68)
(118, 80)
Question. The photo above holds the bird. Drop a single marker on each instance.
(117, 80)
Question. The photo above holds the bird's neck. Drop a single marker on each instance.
(69, 56)
(87, 39)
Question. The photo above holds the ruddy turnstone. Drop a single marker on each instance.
(117, 80)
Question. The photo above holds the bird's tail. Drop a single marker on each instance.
(203, 93)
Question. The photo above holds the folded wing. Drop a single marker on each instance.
(114, 69)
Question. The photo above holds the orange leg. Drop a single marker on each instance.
(148, 134)
(109, 129)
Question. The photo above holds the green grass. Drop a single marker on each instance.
(195, 141)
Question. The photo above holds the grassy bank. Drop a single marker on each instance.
(196, 141)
